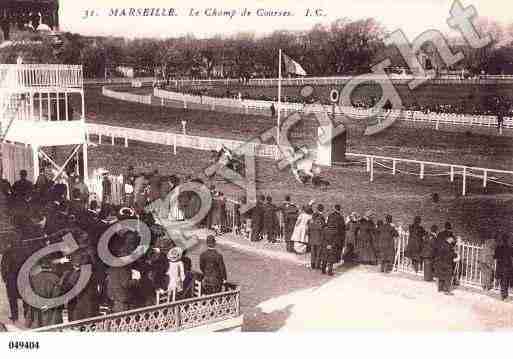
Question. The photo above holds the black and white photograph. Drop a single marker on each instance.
(256, 166)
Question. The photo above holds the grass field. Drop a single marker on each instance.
(462, 148)
(478, 216)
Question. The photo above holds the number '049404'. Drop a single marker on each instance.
(21, 345)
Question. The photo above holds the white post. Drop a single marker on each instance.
(48, 106)
(394, 167)
(86, 169)
(452, 173)
(83, 105)
(464, 190)
(422, 171)
(174, 145)
(35, 160)
(66, 104)
(126, 140)
(99, 138)
(372, 169)
(367, 162)
(485, 178)
(279, 98)
(112, 139)
(57, 107)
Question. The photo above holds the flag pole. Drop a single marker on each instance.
(279, 97)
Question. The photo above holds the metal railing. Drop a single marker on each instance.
(468, 271)
(173, 316)
(41, 75)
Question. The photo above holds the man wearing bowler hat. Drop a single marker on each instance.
(213, 268)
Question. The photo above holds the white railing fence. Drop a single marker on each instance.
(261, 107)
(41, 75)
(339, 80)
(125, 96)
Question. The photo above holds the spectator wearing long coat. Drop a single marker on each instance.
(290, 213)
(444, 264)
(330, 245)
(218, 212)
(213, 268)
(46, 284)
(12, 260)
(352, 228)
(503, 256)
(270, 220)
(428, 253)
(315, 235)
(336, 218)
(257, 217)
(118, 288)
(414, 247)
(366, 240)
(486, 264)
(386, 244)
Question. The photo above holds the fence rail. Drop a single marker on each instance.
(337, 80)
(264, 108)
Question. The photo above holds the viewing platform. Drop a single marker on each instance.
(36, 111)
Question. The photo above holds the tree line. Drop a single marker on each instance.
(343, 47)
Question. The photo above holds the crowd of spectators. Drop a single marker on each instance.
(44, 212)
(334, 239)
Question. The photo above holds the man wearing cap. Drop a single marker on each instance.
(213, 268)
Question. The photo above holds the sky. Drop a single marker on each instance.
(411, 16)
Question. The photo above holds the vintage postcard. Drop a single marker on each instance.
(257, 166)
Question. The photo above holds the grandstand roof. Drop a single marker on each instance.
(31, 3)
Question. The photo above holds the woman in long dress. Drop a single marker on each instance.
(175, 272)
(300, 234)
